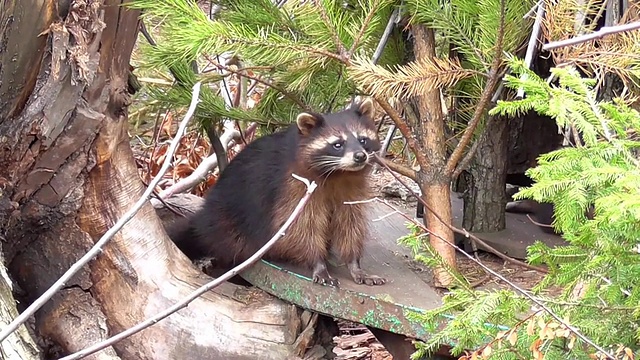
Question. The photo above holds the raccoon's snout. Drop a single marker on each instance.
(359, 157)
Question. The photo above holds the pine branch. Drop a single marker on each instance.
(409, 80)
(302, 50)
(365, 26)
(494, 77)
(342, 52)
(453, 20)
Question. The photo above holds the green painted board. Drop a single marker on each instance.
(384, 307)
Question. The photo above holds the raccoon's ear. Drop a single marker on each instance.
(364, 106)
(308, 121)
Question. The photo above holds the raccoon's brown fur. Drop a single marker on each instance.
(256, 194)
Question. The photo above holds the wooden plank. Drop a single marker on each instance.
(384, 307)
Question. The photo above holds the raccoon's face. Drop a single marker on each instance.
(343, 141)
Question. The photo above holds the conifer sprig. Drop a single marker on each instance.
(300, 46)
(409, 80)
(599, 267)
(603, 174)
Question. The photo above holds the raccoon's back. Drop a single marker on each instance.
(237, 216)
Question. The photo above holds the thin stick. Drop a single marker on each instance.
(393, 20)
(533, 43)
(311, 186)
(284, 92)
(401, 169)
(604, 31)
(200, 173)
(533, 9)
(97, 248)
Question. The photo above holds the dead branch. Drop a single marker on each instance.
(400, 169)
(494, 77)
(200, 173)
(533, 43)
(97, 248)
(539, 224)
(604, 31)
(311, 186)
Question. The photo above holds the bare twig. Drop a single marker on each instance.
(97, 248)
(604, 31)
(533, 43)
(405, 130)
(200, 173)
(311, 186)
(393, 20)
(217, 146)
(533, 9)
(494, 77)
(402, 170)
(387, 139)
(395, 16)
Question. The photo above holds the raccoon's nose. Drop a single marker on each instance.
(359, 157)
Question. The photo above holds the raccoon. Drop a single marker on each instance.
(256, 193)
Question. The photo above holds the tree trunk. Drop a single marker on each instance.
(433, 182)
(485, 196)
(68, 171)
(529, 136)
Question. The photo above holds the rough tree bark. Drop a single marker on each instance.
(485, 195)
(67, 171)
(433, 181)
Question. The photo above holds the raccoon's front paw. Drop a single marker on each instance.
(360, 277)
(326, 280)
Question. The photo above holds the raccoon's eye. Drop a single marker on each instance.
(363, 141)
(337, 145)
